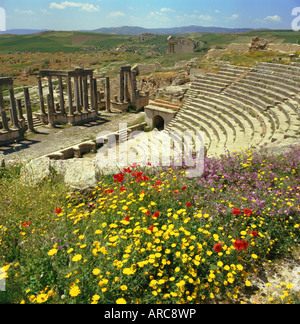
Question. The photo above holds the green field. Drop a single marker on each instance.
(71, 42)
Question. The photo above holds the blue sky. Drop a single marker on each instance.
(93, 14)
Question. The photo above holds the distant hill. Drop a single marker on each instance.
(135, 30)
(131, 30)
(22, 31)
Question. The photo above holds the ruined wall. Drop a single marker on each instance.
(243, 48)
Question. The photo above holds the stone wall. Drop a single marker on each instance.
(243, 48)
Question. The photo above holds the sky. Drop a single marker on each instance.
(94, 14)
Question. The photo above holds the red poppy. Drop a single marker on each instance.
(218, 247)
(147, 212)
(58, 210)
(108, 191)
(254, 233)
(128, 170)
(126, 219)
(236, 211)
(151, 228)
(241, 245)
(183, 188)
(119, 177)
(248, 212)
(176, 191)
(26, 224)
(188, 204)
(158, 183)
(156, 214)
(123, 189)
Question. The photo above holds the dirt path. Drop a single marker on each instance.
(49, 140)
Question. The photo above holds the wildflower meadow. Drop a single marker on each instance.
(152, 235)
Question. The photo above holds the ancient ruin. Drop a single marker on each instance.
(129, 95)
(81, 93)
(180, 46)
(13, 125)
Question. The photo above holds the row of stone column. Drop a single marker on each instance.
(15, 110)
(127, 78)
(78, 103)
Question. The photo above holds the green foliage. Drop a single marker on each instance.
(151, 235)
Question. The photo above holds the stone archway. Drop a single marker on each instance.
(159, 123)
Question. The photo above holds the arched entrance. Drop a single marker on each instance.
(159, 123)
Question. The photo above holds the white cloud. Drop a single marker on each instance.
(24, 12)
(116, 14)
(70, 4)
(205, 17)
(235, 16)
(166, 10)
(275, 18)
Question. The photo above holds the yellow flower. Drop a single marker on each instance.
(75, 291)
(96, 297)
(254, 256)
(248, 283)
(52, 252)
(77, 257)
(123, 287)
(96, 272)
(70, 250)
(42, 298)
(121, 301)
(113, 238)
(240, 267)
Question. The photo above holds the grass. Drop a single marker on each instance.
(251, 59)
(152, 235)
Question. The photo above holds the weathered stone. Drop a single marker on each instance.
(79, 173)
(36, 171)
(258, 44)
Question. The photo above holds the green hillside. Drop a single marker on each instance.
(71, 42)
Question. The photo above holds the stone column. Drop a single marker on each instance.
(85, 95)
(50, 85)
(41, 96)
(80, 81)
(121, 86)
(77, 96)
(95, 95)
(107, 95)
(28, 109)
(3, 112)
(133, 87)
(19, 109)
(70, 97)
(61, 96)
(14, 114)
(50, 111)
(92, 93)
(126, 86)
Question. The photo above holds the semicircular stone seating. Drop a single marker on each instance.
(235, 109)
(238, 107)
